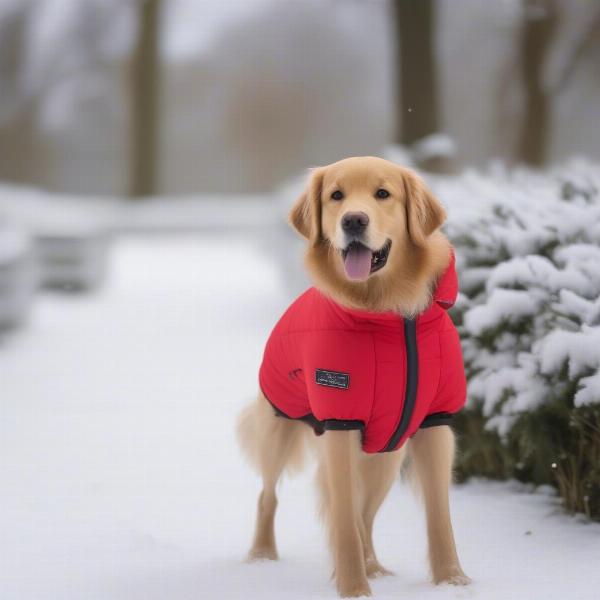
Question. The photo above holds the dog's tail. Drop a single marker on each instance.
(258, 427)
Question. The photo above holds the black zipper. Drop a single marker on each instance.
(412, 380)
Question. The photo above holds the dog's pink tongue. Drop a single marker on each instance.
(358, 263)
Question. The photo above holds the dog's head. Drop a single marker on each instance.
(367, 221)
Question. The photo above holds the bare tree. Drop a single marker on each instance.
(539, 28)
(585, 43)
(18, 109)
(418, 114)
(145, 101)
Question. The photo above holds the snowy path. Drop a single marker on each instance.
(120, 478)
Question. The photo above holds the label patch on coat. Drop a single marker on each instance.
(333, 379)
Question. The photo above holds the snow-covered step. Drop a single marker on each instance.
(71, 234)
(73, 261)
(17, 276)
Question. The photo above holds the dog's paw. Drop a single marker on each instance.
(453, 576)
(457, 580)
(375, 569)
(261, 554)
(354, 590)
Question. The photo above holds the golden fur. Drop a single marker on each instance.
(353, 484)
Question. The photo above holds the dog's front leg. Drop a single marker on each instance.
(340, 456)
(432, 450)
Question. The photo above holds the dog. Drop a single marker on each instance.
(369, 359)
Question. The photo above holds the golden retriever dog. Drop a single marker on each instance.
(353, 206)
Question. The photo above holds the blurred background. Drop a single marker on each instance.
(149, 152)
(187, 96)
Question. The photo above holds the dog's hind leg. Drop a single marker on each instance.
(271, 443)
(377, 474)
(432, 451)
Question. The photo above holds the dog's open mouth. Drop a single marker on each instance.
(360, 261)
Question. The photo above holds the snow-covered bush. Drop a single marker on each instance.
(528, 253)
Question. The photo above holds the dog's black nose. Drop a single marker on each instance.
(355, 223)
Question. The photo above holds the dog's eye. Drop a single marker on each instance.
(337, 195)
(381, 194)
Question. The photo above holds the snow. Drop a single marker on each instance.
(46, 213)
(70, 235)
(18, 276)
(574, 305)
(433, 146)
(209, 212)
(531, 271)
(13, 244)
(43, 213)
(502, 306)
(120, 477)
(581, 351)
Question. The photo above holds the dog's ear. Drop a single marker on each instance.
(305, 216)
(424, 213)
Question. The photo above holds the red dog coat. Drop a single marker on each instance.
(339, 368)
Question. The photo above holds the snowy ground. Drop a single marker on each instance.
(120, 478)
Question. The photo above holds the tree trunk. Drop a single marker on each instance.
(417, 84)
(18, 147)
(145, 102)
(536, 36)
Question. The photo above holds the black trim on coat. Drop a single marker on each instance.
(338, 425)
(435, 419)
(320, 427)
